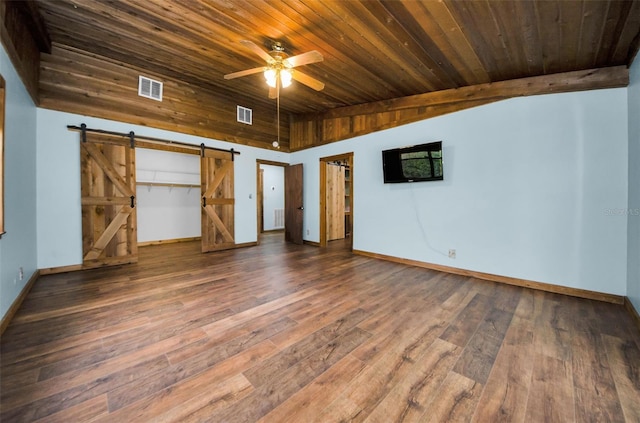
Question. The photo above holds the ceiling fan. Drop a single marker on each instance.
(279, 71)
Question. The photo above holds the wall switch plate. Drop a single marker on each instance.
(452, 253)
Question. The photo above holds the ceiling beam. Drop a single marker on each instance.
(591, 79)
(311, 130)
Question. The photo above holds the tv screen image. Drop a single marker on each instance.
(413, 164)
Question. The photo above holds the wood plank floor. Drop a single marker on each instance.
(287, 333)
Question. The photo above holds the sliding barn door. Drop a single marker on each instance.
(108, 186)
(216, 171)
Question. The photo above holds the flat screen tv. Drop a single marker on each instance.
(413, 164)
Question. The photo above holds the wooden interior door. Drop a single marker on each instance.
(260, 201)
(108, 187)
(218, 203)
(293, 204)
(335, 202)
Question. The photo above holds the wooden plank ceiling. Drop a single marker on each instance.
(373, 50)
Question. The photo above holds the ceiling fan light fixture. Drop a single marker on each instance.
(270, 75)
(285, 78)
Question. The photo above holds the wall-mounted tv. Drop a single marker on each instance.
(413, 164)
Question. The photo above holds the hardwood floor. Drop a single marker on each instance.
(288, 333)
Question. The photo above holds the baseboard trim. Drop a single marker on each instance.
(168, 241)
(632, 311)
(245, 245)
(112, 261)
(77, 267)
(61, 269)
(540, 286)
(312, 243)
(18, 302)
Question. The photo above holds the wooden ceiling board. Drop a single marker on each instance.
(627, 46)
(347, 45)
(371, 37)
(570, 19)
(373, 50)
(591, 33)
(406, 19)
(125, 36)
(612, 29)
(530, 32)
(458, 42)
(471, 17)
(509, 37)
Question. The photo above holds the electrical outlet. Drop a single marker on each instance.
(452, 253)
(21, 273)
(307, 231)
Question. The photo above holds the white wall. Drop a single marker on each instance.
(273, 194)
(633, 217)
(167, 212)
(18, 244)
(528, 192)
(59, 223)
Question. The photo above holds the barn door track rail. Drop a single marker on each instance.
(148, 141)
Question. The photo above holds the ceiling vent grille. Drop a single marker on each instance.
(149, 88)
(245, 115)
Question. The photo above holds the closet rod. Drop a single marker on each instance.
(150, 139)
(167, 184)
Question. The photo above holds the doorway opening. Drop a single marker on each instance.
(270, 198)
(336, 200)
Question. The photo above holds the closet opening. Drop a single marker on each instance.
(336, 201)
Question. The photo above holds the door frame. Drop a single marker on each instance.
(348, 157)
(260, 192)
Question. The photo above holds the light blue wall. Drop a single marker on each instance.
(533, 187)
(59, 223)
(531, 190)
(633, 218)
(18, 245)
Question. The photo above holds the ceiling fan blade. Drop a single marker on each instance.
(273, 92)
(303, 59)
(257, 50)
(244, 73)
(307, 80)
